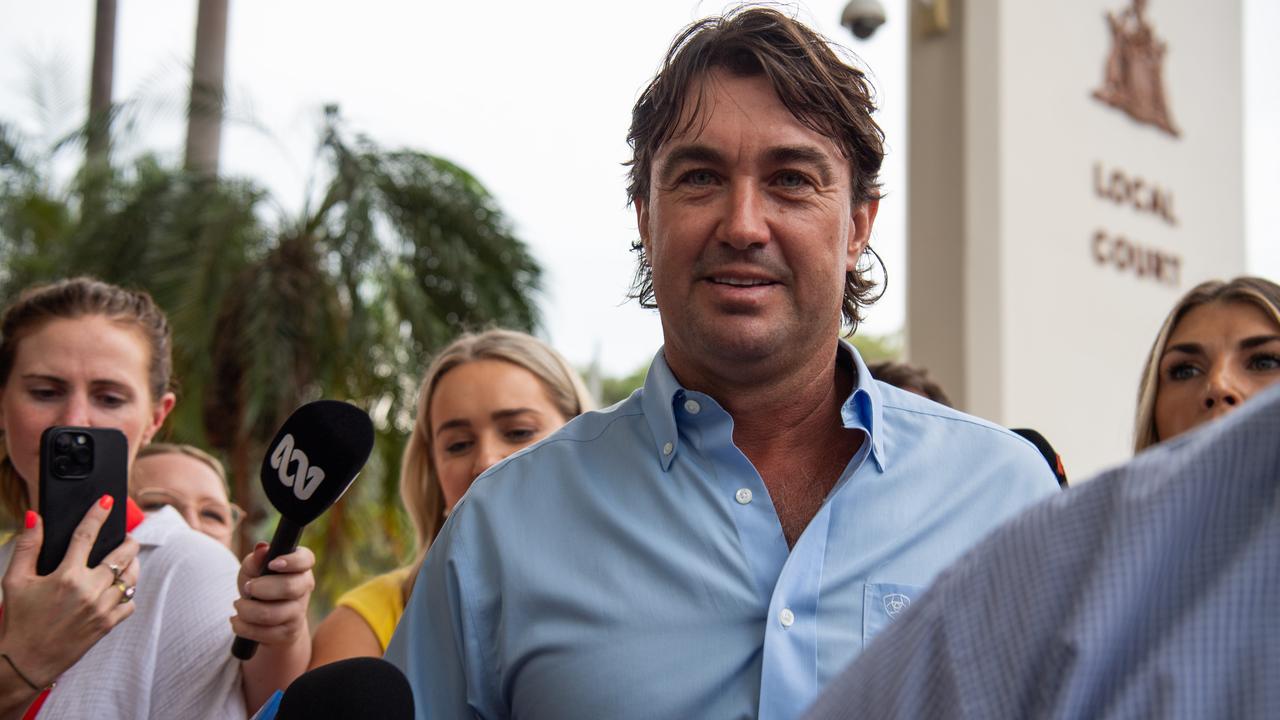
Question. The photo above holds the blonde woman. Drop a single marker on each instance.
(484, 397)
(190, 481)
(1218, 346)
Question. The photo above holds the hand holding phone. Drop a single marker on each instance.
(51, 621)
(78, 466)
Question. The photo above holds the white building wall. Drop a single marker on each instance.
(1053, 339)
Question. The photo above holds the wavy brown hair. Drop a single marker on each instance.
(826, 94)
(1253, 290)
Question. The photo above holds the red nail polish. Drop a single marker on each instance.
(106, 502)
(32, 517)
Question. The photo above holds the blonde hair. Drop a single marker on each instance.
(68, 300)
(419, 485)
(1253, 290)
(191, 451)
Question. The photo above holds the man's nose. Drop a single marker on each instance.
(745, 224)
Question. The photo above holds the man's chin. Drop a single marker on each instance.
(742, 342)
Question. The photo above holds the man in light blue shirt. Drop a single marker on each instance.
(720, 544)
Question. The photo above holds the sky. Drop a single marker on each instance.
(533, 98)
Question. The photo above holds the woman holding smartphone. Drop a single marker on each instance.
(144, 633)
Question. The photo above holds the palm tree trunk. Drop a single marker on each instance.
(204, 119)
(97, 129)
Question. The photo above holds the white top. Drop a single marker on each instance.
(172, 657)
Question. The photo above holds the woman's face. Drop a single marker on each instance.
(189, 486)
(1218, 356)
(89, 372)
(481, 412)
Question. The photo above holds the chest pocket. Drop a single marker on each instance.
(882, 603)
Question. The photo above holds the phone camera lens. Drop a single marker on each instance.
(62, 442)
(81, 455)
(61, 465)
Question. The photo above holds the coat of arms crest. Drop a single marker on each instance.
(1133, 80)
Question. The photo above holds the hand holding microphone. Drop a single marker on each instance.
(309, 465)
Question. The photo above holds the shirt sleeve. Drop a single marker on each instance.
(378, 603)
(172, 657)
(195, 674)
(441, 644)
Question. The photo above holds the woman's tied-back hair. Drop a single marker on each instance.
(824, 93)
(191, 451)
(68, 300)
(1253, 290)
(419, 484)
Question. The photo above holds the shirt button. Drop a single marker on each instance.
(743, 496)
(692, 406)
(786, 617)
(666, 449)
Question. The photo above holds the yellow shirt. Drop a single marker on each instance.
(380, 602)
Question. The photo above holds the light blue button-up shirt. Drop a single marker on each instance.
(633, 566)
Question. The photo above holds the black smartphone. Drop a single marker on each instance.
(79, 465)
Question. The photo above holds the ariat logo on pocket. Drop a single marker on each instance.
(882, 604)
(895, 603)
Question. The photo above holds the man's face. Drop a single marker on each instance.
(750, 228)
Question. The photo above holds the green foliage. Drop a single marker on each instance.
(348, 301)
(878, 348)
(613, 390)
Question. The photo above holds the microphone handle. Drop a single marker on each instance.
(283, 542)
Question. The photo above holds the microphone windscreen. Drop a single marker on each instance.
(354, 689)
(1051, 456)
(314, 457)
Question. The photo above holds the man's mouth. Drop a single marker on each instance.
(740, 282)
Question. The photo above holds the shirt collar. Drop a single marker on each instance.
(662, 392)
(863, 409)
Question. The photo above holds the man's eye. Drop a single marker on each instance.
(792, 180)
(698, 178)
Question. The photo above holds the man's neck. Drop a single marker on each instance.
(789, 427)
(789, 409)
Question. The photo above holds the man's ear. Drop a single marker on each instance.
(864, 216)
(642, 223)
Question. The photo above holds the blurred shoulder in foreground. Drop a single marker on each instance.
(1151, 591)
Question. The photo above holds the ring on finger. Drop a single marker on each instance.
(126, 592)
(116, 572)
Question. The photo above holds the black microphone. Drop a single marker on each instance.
(355, 689)
(311, 462)
(1051, 456)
